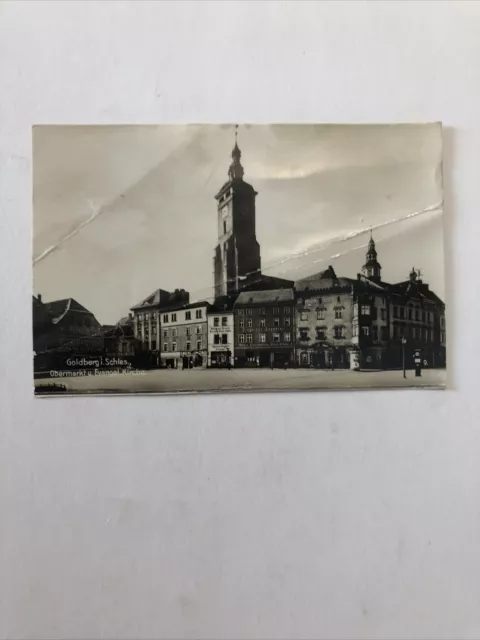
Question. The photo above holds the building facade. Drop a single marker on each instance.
(264, 326)
(417, 323)
(147, 319)
(184, 336)
(221, 331)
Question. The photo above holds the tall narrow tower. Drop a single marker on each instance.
(237, 254)
(372, 269)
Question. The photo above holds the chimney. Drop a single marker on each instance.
(39, 297)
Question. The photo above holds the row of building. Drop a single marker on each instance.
(323, 320)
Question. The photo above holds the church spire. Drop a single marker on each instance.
(371, 269)
(235, 171)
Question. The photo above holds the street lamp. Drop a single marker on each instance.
(404, 342)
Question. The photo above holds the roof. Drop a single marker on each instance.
(328, 279)
(193, 305)
(262, 297)
(415, 289)
(223, 303)
(154, 299)
(58, 309)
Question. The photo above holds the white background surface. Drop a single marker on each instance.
(328, 515)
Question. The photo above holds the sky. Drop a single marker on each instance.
(120, 211)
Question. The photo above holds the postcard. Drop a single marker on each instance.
(209, 258)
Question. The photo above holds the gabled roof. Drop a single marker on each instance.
(154, 299)
(58, 309)
(262, 297)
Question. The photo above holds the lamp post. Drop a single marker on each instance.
(404, 342)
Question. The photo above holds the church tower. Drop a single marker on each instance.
(372, 269)
(237, 254)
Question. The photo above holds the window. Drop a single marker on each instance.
(410, 314)
(165, 333)
(188, 331)
(395, 312)
(286, 336)
(241, 324)
(414, 332)
(174, 346)
(241, 312)
(320, 333)
(402, 312)
(263, 337)
(339, 332)
(276, 311)
(249, 337)
(321, 315)
(320, 301)
(224, 226)
(375, 333)
(338, 299)
(154, 329)
(338, 314)
(262, 311)
(276, 322)
(262, 323)
(174, 333)
(165, 317)
(216, 339)
(303, 315)
(249, 323)
(154, 345)
(249, 312)
(276, 337)
(423, 316)
(165, 346)
(198, 313)
(199, 328)
(366, 331)
(216, 322)
(442, 337)
(383, 333)
(355, 330)
(304, 358)
(224, 321)
(303, 334)
(189, 346)
(383, 314)
(365, 310)
(188, 315)
(174, 317)
(286, 310)
(287, 322)
(199, 345)
(224, 338)
(241, 338)
(417, 314)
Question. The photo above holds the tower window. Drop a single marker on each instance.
(224, 226)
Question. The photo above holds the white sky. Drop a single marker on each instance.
(153, 188)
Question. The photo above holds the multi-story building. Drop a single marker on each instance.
(147, 317)
(221, 332)
(264, 328)
(417, 323)
(184, 336)
(367, 323)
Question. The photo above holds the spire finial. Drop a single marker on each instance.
(236, 170)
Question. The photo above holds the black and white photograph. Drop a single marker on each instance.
(209, 258)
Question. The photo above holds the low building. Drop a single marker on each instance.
(184, 337)
(221, 331)
(264, 328)
(62, 328)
